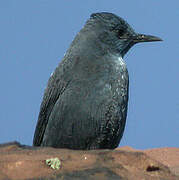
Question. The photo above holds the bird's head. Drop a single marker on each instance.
(115, 33)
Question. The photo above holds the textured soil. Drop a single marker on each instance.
(125, 163)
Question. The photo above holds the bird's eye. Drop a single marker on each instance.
(120, 32)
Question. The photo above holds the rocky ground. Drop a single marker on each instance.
(125, 163)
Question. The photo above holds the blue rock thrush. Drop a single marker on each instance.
(85, 102)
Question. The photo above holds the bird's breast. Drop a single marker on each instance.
(106, 77)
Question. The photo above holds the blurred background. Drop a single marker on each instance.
(34, 36)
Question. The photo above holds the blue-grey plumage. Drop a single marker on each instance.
(85, 102)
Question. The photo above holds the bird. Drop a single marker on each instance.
(85, 103)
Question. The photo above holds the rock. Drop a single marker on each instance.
(25, 162)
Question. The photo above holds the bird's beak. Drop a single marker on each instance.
(145, 38)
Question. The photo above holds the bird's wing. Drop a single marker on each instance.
(56, 86)
(87, 118)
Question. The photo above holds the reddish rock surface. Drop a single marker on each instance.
(125, 163)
